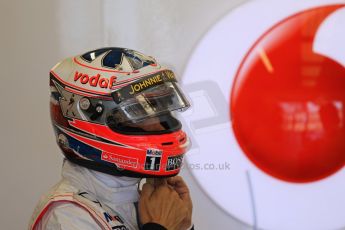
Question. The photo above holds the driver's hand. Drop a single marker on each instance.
(160, 203)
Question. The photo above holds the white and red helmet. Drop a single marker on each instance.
(111, 110)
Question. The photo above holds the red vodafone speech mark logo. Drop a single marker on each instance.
(288, 103)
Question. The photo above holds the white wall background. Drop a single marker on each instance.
(36, 35)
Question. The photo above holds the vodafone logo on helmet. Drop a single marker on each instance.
(95, 81)
(278, 67)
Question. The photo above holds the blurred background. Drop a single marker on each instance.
(37, 34)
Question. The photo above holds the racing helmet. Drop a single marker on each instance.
(112, 110)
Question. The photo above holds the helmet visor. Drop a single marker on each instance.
(148, 97)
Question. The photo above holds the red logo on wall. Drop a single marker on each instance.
(288, 102)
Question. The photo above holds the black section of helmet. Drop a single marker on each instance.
(115, 55)
(112, 170)
(167, 121)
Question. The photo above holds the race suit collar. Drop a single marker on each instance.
(108, 189)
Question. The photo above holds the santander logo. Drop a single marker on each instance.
(95, 81)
